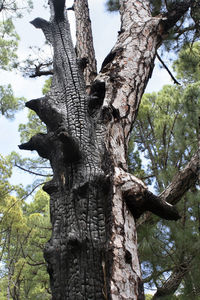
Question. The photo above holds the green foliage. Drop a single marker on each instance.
(187, 65)
(8, 51)
(15, 9)
(5, 174)
(8, 45)
(32, 127)
(166, 133)
(24, 229)
(47, 86)
(9, 104)
(34, 124)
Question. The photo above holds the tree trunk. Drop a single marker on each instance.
(84, 42)
(92, 253)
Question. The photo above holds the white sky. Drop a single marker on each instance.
(105, 27)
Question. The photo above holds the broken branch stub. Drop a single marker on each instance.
(139, 199)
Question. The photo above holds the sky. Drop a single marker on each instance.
(105, 27)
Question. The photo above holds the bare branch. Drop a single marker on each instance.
(173, 282)
(84, 40)
(169, 72)
(182, 182)
(31, 172)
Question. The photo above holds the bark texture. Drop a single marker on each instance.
(92, 253)
(84, 41)
(80, 188)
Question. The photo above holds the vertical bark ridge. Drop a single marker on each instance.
(126, 72)
(84, 40)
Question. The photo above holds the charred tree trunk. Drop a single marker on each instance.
(92, 253)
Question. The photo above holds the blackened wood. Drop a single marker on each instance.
(80, 191)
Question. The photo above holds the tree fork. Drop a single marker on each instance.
(92, 253)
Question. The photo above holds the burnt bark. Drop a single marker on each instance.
(78, 253)
(92, 253)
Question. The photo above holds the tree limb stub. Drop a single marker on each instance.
(180, 184)
(175, 13)
(182, 181)
(139, 199)
(41, 143)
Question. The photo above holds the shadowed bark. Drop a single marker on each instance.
(92, 253)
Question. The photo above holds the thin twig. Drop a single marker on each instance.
(20, 199)
(34, 173)
(169, 72)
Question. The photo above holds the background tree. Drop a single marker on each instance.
(9, 39)
(24, 228)
(23, 231)
(166, 132)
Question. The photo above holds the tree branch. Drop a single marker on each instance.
(39, 73)
(175, 13)
(31, 172)
(84, 40)
(165, 66)
(173, 282)
(180, 184)
(139, 199)
(182, 181)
